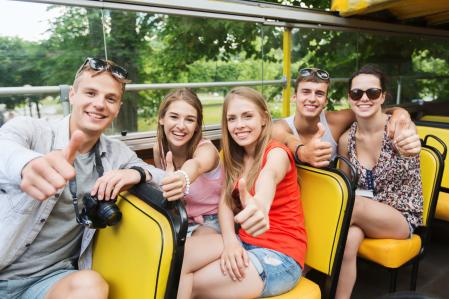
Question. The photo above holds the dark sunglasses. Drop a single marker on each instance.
(321, 74)
(102, 65)
(372, 93)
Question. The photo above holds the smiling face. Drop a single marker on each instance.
(311, 98)
(179, 123)
(365, 107)
(96, 101)
(245, 122)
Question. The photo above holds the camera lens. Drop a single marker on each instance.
(109, 212)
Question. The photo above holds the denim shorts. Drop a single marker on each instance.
(32, 287)
(279, 272)
(209, 221)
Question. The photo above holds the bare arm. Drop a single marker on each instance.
(399, 121)
(254, 216)
(234, 259)
(343, 151)
(281, 132)
(204, 159)
(314, 152)
(340, 121)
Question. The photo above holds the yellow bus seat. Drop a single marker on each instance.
(442, 211)
(393, 254)
(305, 289)
(141, 257)
(327, 197)
(436, 118)
(441, 130)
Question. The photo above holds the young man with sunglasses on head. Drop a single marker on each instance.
(45, 167)
(312, 133)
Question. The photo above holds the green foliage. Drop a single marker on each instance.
(16, 67)
(167, 49)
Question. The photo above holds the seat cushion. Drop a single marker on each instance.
(442, 211)
(390, 253)
(305, 289)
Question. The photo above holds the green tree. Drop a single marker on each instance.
(16, 68)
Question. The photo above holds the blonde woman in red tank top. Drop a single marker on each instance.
(262, 197)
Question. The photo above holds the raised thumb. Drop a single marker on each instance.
(243, 192)
(170, 167)
(320, 132)
(75, 142)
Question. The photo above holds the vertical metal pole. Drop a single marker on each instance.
(398, 93)
(64, 97)
(287, 71)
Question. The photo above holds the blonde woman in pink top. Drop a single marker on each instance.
(194, 172)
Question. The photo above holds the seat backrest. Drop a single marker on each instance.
(327, 199)
(442, 132)
(435, 118)
(431, 174)
(141, 256)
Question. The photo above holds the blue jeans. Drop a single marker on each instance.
(209, 221)
(31, 287)
(279, 272)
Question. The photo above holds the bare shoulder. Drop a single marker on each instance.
(207, 147)
(206, 153)
(278, 159)
(343, 142)
(339, 121)
(280, 130)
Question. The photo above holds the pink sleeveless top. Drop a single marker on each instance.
(204, 194)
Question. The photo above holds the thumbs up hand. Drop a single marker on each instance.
(43, 176)
(407, 142)
(252, 218)
(170, 166)
(316, 152)
(173, 184)
(400, 120)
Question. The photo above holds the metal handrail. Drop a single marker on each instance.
(39, 90)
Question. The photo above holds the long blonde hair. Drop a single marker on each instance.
(233, 153)
(192, 99)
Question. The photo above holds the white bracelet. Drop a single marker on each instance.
(187, 179)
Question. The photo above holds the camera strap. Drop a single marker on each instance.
(72, 183)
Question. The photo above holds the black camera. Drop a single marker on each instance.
(99, 213)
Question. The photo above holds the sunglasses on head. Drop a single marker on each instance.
(321, 74)
(102, 65)
(372, 93)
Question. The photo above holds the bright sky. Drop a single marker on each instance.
(25, 19)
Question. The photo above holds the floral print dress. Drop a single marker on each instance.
(394, 180)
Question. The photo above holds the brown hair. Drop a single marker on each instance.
(190, 98)
(370, 69)
(86, 68)
(233, 153)
(312, 78)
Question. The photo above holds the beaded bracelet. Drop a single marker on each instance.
(187, 179)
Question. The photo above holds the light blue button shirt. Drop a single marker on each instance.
(23, 139)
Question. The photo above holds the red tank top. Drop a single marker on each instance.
(287, 232)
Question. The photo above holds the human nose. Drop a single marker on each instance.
(181, 123)
(240, 122)
(99, 102)
(364, 97)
